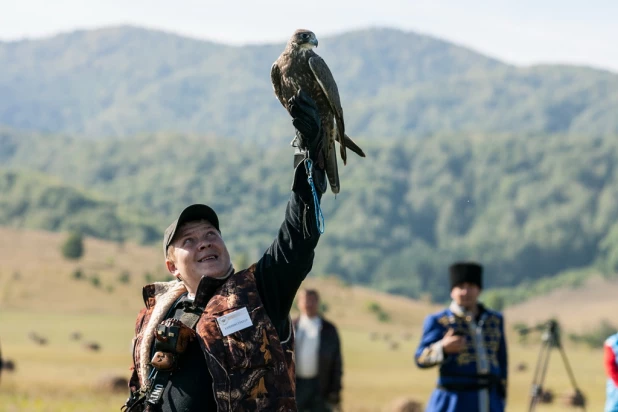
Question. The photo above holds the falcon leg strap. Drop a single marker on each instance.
(319, 217)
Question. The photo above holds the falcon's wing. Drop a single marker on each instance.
(327, 82)
(275, 78)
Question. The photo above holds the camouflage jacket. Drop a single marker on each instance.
(252, 369)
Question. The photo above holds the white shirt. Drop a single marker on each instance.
(308, 346)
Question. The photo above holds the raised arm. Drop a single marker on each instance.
(288, 260)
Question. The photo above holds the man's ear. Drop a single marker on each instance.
(171, 267)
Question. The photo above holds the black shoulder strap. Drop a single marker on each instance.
(205, 290)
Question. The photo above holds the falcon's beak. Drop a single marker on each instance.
(314, 41)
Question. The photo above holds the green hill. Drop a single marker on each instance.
(30, 200)
(528, 207)
(123, 81)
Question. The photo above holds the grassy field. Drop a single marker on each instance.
(62, 376)
(37, 293)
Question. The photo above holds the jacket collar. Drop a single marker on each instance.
(159, 298)
(460, 312)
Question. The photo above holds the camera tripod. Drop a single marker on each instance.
(551, 339)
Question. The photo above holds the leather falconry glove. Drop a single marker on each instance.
(308, 141)
(306, 121)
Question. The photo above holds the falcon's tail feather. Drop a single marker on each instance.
(342, 142)
(350, 144)
(332, 172)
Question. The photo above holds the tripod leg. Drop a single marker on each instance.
(571, 375)
(539, 375)
(534, 388)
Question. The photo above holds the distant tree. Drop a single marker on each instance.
(125, 277)
(73, 246)
(77, 274)
(494, 301)
(374, 307)
(380, 313)
(522, 331)
(94, 279)
(323, 307)
(595, 337)
(383, 317)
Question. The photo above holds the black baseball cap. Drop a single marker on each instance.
(190, 214)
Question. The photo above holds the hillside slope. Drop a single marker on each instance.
(120, 81)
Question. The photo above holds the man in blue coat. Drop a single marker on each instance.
(467, 342)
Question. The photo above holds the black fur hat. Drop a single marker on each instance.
(470, 272)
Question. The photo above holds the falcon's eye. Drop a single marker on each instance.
(305, 35)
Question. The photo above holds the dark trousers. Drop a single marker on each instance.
(308, 397)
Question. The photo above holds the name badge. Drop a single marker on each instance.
(235, 321)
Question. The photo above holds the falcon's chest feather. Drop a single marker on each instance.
(296, 73)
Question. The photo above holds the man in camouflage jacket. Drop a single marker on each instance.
(238, 356)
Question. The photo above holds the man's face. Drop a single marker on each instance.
(199, 251)
(308, 304)
(466, 295)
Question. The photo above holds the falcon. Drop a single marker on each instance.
(299, 67)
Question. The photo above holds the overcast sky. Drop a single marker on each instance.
(519, 31)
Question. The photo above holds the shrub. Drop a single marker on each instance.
(77, 274)
(381, 314)
(124, 277)
(73, 246)
(94, 279)
(595, 337)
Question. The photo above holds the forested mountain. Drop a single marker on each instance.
(31, 200)
(526, 206)
(123, 81)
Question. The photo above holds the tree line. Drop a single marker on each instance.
(529, 207)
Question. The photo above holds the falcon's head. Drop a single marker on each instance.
(304, 39)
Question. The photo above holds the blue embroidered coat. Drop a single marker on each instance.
(473, 380)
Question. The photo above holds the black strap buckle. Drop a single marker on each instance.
(135, 398)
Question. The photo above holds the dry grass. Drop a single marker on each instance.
(44, 277)
(576, 309)
(62, 376)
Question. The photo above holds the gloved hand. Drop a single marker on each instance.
(308, 142)
(306, 120)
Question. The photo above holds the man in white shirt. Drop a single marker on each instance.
(318, 357)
